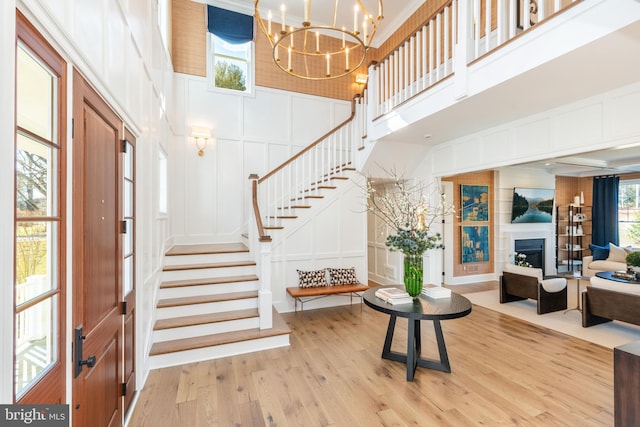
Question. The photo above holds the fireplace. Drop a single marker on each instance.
(533, 249)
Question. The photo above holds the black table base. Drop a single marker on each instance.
(414, 347)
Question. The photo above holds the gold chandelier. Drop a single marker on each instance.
(317, 51)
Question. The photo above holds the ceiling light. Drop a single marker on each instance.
(317, 50)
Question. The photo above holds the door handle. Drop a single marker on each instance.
(78, 361)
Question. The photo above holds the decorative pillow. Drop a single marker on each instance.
(310, 279)
(600, 253)
(342, 276)
(617, 254)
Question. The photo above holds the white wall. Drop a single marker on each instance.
(331, 234)
(253, 134)
(506, 232)
(599, 122)
(116, 46)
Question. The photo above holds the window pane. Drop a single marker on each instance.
(127, 274)
(128, 161)
(128, 199)
(34, 180)
(35, 342)
(629, 213)
(35, 259)
(128, 238)
(231, 74)
(240, 51)
(35, 94)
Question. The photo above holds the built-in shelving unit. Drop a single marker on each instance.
(573, 235)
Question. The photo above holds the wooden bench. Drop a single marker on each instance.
(313, 293)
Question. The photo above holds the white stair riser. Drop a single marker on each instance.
(205, 258)
(217, 289)
(208, 272)
(206, 329)
(217, 352)
(211, 307)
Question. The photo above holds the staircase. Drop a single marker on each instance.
(208, 306)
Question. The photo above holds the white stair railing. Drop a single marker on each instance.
(473, 27)
(277, 195)
(290, 186)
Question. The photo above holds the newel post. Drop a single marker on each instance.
(260, 245)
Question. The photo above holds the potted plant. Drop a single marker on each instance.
(405, 207)
(633, 262)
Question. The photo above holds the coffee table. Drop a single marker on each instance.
(422, 308)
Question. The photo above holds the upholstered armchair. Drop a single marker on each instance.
(519, 283)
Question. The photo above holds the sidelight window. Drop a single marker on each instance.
(37, 231)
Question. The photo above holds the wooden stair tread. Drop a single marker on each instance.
(202, 319)
(273, 227)
(322, 187)
(207, 281)
(306, 197)
(203, 249)
(280, 327)
(208, 265)
(203, 299)
(296, 207)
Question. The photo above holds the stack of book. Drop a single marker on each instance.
(437, 292)
(394, 296)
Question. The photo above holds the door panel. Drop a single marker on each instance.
(101, 216)
(97, 277)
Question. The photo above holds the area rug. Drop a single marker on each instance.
(610, 335)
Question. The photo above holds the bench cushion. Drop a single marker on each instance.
(297, 292)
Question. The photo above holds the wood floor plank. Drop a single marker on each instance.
(504, 372)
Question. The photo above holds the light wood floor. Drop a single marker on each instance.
(505, 372)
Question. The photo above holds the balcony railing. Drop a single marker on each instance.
(459, 33)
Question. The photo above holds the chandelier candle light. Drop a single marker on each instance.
(322, 50)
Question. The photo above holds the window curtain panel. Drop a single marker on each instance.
(232, 27)
(605, 210)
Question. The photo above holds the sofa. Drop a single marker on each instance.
(605, 300)
(605, 258)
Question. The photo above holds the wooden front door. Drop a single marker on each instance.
(97, 284)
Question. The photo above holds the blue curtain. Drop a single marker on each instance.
(232, 27)
(605, 210)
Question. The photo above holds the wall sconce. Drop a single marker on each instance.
(361, 79)
(201, 135)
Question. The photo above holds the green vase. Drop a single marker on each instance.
(413, 274)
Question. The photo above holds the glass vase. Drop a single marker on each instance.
(413, 274)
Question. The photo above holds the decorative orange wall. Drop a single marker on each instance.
(189, 56)
(477, 178)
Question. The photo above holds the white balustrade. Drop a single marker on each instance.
(427, 56)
